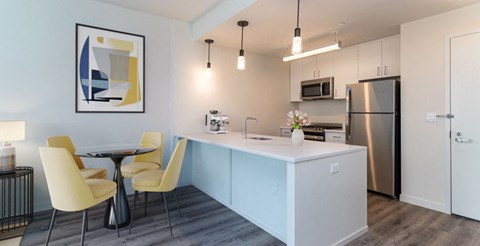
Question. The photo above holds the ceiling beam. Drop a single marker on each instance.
(218, 15)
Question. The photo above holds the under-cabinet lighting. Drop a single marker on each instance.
(334, 46)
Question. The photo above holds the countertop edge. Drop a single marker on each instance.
(271, 155)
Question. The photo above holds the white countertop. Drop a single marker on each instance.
(277, 148)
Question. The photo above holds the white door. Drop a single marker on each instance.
(465, 130)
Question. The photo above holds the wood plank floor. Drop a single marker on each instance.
(204, 221)
(392, 222)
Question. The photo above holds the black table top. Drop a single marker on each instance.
(115, 151)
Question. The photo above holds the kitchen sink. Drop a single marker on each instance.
(260, 138)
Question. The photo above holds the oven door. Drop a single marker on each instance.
(320, 138)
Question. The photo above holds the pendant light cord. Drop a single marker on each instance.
(209, 53)
(241, 42)
(298, 12)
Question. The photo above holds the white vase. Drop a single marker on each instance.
(297, 137)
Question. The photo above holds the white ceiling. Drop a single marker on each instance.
(271, 22)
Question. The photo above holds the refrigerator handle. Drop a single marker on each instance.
(347, 112)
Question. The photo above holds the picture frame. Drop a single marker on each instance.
(109, 71)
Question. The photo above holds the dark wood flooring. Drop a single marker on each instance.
(392, 222)
(204, 221)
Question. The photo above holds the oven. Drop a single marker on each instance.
(316, 131)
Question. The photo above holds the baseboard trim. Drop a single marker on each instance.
(352, 236)
(440, 207)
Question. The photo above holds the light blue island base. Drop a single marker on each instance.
(310, 199)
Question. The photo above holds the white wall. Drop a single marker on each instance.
(324, 111)
(37, 67)
(425, 164)
(261, 90)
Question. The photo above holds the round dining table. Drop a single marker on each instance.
(116, 154)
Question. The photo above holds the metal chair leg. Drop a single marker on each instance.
(176, 199)
(86, 211)
(133, 212)
(115, 216)
(146, 198)
(52, 220)
(166, 210)
(84, 224)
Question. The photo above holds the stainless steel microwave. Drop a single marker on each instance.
(317, 89)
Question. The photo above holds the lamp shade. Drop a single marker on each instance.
(12, 131)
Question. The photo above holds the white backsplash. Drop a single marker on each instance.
(325, 111)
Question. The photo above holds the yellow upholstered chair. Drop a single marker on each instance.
(66, 143)
(68, 190)
(160, 181)
(149, 161)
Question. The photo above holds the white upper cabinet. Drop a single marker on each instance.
(379, 58)
(376, 59)
(319, 66)
(345, 70)
(295, 79)
(391, 56)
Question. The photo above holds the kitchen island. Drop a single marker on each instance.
(314, 194)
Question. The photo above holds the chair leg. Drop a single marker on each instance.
(166, 210)
(133, 212)
(136, 195)
(52, 220)
(86, 211)
(115, 215)
(176, 199)
(146, 198)
(84, 224)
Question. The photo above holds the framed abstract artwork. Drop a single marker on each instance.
(110, 70)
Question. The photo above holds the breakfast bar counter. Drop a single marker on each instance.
(313, 194)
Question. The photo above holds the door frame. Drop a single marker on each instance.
(448, 125)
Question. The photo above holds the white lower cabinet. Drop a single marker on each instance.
(285, 132)
(334, 136)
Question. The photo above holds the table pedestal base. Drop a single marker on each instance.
(120, 200)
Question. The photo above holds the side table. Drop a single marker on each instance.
(16, 201)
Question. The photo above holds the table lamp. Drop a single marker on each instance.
(9, 131)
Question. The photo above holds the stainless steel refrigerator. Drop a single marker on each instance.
(373, 120)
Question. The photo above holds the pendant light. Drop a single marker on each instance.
(332, 46)
(241, 56)
(208, 72)
(297, 39)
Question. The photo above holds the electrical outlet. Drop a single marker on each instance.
(334, 168)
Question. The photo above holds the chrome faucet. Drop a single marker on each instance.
(244, 129)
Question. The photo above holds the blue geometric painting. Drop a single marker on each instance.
(110, 70)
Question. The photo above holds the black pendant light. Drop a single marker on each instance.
(208, 72)
(241, 56)
(297, 39)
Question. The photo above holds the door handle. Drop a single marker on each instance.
(347, 112)
(463, 140)
(459, 139)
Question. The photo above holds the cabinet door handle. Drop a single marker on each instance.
(378, 70)
(385, 70)
(314, 71)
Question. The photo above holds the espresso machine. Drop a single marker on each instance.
(216, 123)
